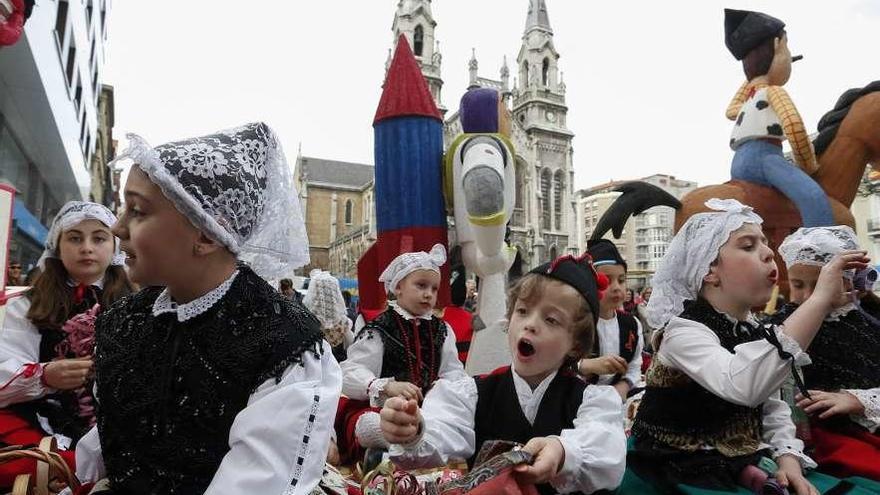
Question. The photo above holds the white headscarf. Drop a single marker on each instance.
(407, 263)
(237, 188)
(690, 254)
(816, 246)
(72, 213)
(324, 299)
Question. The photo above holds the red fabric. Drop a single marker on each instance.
(856, 453)
(371, 314)
(347, 415)
(11, 29)
(405, 92)
(15, 430)
(461, 321)
(646, 362)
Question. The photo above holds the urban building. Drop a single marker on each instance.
(50, 83)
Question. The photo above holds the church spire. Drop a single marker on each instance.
(537, 17)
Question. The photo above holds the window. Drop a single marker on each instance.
(558, 191)
(71, 62)
(77, 95)
(553, 253)
(545, 199)
(519, 173)
(418, 40)
(545, 71)
(89, 10)
(348, 211)
(524, 74)
(61, 21)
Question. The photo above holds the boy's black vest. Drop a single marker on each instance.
(678, 412)
(628, 341)
(412, 348)
(499, 415)
(169, 391)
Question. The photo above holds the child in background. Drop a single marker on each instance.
(618, 350)
(399, 353)
(45, 357)
(844, 377)
(573, 429)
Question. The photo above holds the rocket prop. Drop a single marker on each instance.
(410, 211)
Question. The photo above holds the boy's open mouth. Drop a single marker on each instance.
(525, 348)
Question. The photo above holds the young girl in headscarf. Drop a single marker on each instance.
(47, 339)
(711, 414)
(324, 299)
(398, 354)
(844, 377)
(209, 380)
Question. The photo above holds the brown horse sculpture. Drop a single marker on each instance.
(848, 141)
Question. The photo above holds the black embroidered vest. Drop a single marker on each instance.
(499, 415)
(678, 412)
(60, 409)
(409, 355)
(845, 353)
(169, 391)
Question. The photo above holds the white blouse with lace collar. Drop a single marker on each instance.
(164, 304)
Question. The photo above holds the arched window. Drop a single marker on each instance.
(418, 40)
(553, 253)
(349, 206)
(558, 191)
(524, 74)
(545, 71)
(545, 199)
(519, 173)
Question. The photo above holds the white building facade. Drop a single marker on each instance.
(50, 82)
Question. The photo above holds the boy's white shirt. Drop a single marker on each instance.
(595, 449)
(749, 377)
(268, 437)
(609, 345)
(360, 372)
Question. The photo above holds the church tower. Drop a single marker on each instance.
(415, 20)
(538, 105)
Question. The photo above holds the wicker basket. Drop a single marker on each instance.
(53, 474)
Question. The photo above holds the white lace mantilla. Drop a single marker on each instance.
(194, 308)
(815, 246)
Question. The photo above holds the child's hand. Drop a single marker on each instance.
(830, 403)
(791, 476)
(400, 420)
(549, 455)
(403, 389)
(67, 374)
(829, 287)
(602, 365)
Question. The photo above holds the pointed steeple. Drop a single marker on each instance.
(537, 17)
(473, 67)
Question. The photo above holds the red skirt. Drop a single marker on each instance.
(347, 415)
(853, 453)
(15, 430)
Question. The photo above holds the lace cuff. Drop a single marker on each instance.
(804, 459)
(871, 400)
(376, 391)
(791, 346)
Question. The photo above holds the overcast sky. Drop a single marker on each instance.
(648, 81)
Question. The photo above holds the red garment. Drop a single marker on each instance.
(347, 415)
(854, 453)
(461, 321)
(15, 430)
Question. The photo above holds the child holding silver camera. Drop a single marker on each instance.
(844, 377)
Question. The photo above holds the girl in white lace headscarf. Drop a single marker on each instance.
(844, 377)
(712, 387)
(324, 300)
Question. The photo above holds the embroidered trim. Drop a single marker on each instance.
(194, 308)
(870, 399)
(305, 448)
